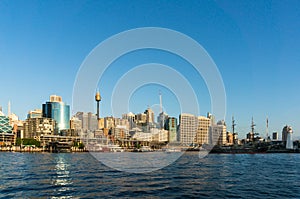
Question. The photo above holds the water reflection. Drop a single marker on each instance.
(137, 162)
(62, 179)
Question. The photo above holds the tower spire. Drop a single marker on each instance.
(160, 102)
(8, 109)
(161, 110)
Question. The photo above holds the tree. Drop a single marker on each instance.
(30, 141)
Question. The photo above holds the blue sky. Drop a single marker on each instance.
(255, 45)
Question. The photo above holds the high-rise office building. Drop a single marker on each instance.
(59, 112)
(7, 137)
(171, 126)
(36, 113)
(88, 121)
(83, 117)
(162, 119)
(130, 117)
(75, 123)
(187, 128)
(141, 119)
(76, 126)
(92, 121)
(5, 127)
(149, 116)
(212, 119)
(109, 122)
(122, 122)
(202, 130)
(55, 98)
(217, 134)
(284, 134)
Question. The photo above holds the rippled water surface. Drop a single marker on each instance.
(80, 175)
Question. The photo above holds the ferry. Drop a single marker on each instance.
(115, 148)
(172, 150)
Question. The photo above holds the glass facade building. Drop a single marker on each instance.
(60, 112)
(171, 126)
(4, 125)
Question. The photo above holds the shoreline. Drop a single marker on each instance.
(40, 150)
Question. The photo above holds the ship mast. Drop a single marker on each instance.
(252, 127)
(267, 129)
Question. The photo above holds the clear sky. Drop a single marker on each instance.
(255, 44)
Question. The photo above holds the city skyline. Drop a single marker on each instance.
(254, 45)
(154, 118)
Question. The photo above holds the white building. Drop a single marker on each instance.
(161, 119)
(121, 132)
(289, 141)
(187, 128)
(217, 134)
(130, 117)
(109, 122)
(122, 122)
(142, 136)
(149, 116)
(202, 130)
(88, 121)
(163, 136)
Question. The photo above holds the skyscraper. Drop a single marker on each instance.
(59, 111)
(6, 135)
(161, 119)
(4, 124)
(284, 134)
(92, 121)
(130, 117)
(202, 130)
(141, 119)
(149, 116)
(171, 126)
(88, 121)
(217, 133)
(36, 113)
(187, 128)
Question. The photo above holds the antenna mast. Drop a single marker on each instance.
(8, 109)
(161, 110)
(160, 102)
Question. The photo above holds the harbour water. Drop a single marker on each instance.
(80, 175)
